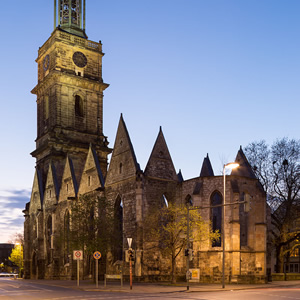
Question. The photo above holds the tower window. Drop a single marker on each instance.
(78, 106)
(120, 168)
(46, 108)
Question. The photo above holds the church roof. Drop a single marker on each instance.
(160, 164)
(244, 168)
(206, 169)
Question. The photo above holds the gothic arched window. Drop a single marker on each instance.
(66, 236)
(78, 106)
(118, 230)
(216, 215)
(243, 215)
(49, 238)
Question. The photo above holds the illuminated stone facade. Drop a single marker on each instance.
(72, 160)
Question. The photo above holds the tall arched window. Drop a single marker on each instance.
(46, 108)
(243, 221)
(49, 238)
(216, 215)
(66, 237)
(118, 230)
(78, 106)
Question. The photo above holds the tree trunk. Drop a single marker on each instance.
(173, 268)
(279, 259)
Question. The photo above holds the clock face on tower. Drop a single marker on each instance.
(79, 59)
(46, 62)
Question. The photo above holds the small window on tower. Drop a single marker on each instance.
(78, 106)
(46, 108)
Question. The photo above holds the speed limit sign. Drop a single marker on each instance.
(78, 255)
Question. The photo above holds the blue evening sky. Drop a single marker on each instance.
(214, 74)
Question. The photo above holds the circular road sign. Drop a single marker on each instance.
(97, 255)
(77, 254)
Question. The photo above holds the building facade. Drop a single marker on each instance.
(72, 160)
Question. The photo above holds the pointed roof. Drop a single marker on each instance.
(244, 168)
(123, 163)
(179, 176)
(160, 164)
(91, 170)
(67, 190)
(51, 180)
(37, 195)
(206, 169)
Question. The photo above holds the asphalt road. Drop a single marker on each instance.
(19, 289)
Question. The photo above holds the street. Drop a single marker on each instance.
(25, 290)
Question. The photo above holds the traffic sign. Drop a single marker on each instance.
(78, 255)
(97, 255)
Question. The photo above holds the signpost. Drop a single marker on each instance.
(130, 252)
(78, 255)
(97, 256)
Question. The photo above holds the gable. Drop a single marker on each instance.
(69, 186)
(123, 163)
(51, 187)
(36, 194)
(92, 177)
(160, 164)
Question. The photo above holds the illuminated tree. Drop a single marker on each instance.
(166, 229)
(16, 257)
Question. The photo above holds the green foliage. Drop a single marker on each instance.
(166, 229)
(91, 224)
(16, 256)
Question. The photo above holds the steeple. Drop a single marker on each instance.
(71, 16)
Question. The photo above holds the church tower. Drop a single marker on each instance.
(69, 93)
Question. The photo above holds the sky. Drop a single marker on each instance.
(215, 74)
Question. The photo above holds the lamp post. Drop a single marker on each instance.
(230, 166)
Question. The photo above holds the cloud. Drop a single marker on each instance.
(12, 202)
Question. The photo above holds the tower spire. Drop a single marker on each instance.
(69, 15)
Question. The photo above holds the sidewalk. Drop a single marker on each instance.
(159, 287)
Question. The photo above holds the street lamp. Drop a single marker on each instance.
(230, 166)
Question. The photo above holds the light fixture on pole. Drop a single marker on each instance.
(230, 166)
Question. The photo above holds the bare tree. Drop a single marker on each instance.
(278, 169)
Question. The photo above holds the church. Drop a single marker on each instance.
(72, 160)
